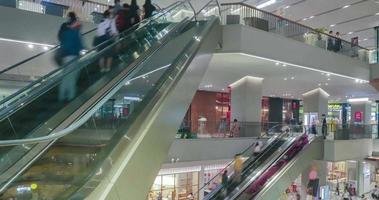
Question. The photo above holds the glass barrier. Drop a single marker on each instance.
(203, 128)
(240, 13)
(40, 109)
(344, 131)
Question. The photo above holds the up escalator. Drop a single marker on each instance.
(69, 149)
(267, 175)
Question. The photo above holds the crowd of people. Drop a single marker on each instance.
(116, 19)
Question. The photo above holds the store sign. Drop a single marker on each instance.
(334, 107)
(358, 116)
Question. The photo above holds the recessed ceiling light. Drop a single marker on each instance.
(311, 17)
(292, 78)
(346, 6)
(284, 65)
(287, 7)
(265, 4)
(319, 84)
(332, 25)
(328, 79)
(327, 74)
(277, 63)
(31, 46)
(305, 19)
(326, 84)
(377, 13)
(285, 78)
(45, 48)
(365, 39)
(350, 33)
(357, 80)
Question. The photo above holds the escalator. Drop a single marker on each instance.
(268, 175)
(158, 69)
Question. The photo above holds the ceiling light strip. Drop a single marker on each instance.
(26, 42)
(294, 65)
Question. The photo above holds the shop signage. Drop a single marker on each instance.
(358, 116)
(334, 107)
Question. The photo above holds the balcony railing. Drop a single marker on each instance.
(86, 10)
(240, 13)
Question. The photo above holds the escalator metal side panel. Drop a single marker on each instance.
(277, 185)
(134, 171)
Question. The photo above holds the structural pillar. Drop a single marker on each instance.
(315, 102)
(246, 104)
(275, 113)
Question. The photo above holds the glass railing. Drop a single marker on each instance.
(240, 13)
(344, 131)
(202, 128)
(91, 162)
(42, 108)
(42, 64)
(223, 182)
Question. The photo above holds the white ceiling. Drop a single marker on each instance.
(225, 69)
(359, 18)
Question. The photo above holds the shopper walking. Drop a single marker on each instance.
(135, 12)
(330, 42)
(337, 43)
(105, 31)
(117, 7)
(148, 9)
(71, 44)
(224, 178)
(234, 128)
(346, 195)
(238, 167)
(324, 128)
(257, 149)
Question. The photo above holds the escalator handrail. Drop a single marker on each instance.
(246, 168)
(38, 55)
(263, 169)
(272, 139)
(153, 98)
(57, 46)
(80, 121)
(207, 4)
(283, 169)
(43, 78)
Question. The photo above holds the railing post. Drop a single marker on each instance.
(377, 43)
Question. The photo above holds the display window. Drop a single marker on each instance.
(175, 186)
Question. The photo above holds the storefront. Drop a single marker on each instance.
(175, 186)
(214, 108)
(342, 173)
(178, 183)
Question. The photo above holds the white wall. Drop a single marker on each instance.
(339, 150)
(239, 38)
(208, 149)
(30, 26)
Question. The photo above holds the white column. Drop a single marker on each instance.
(246, 103)
(246, 99)
(316, 101)
(363, 107)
